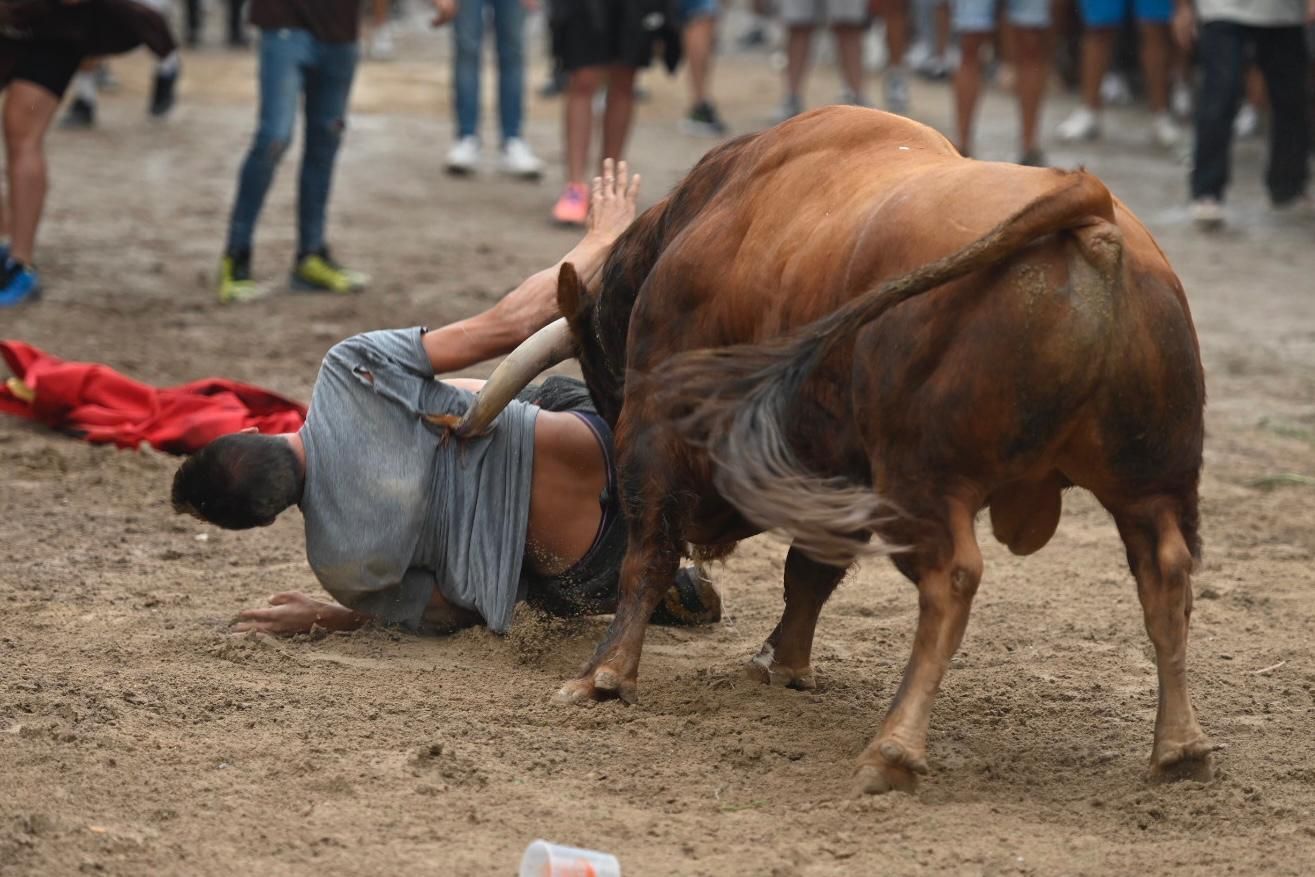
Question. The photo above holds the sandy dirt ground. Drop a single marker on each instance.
(137, 736)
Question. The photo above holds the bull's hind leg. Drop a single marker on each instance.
(785, 658)
(945, 593)
(1162, 565)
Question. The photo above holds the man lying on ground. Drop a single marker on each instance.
(406, 526)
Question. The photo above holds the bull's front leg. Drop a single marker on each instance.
(653, 514)
(945, 592)
(786, 656)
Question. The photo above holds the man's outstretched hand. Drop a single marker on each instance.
(293, 612)
(612, 201)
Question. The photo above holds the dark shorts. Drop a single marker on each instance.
(602, 33)
(48, 64)
(590, 586)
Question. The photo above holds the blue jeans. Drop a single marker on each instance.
(468, 38)
(293, 63)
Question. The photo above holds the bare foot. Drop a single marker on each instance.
(612, 200)
(292, 612)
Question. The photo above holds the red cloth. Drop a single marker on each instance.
(97, 403)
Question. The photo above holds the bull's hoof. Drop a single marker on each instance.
(603, 684)
(764, 668)
(1190, 760)
(892, 768)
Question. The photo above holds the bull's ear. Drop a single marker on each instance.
(572, 298)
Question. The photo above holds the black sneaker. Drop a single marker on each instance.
(703, 121)
(81, 114)
(691, 600)
(1033, 157)
(163, 94)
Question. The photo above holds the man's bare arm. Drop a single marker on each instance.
(533, 305)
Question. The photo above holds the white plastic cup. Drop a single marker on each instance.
(543, 859)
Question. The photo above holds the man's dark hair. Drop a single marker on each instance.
(239, 481)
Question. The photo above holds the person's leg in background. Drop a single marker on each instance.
(164, 86)
(1101, 20)
(28, 111)
(328, 85)
(81, 112)
(517, 159)
(1033, 66)
(164, 82)
(1247, 122)
(755, 35)
(578, 122)
(380, 40)
(895, 81)
(1157, 60)
(1281, 54)
(195, 22)
(699, 38)
(1033, 47)
(619, 112)
(467, 45)
(800, 18)
(1220, 52)
(284, 54)
(237, 36)
(974, 21)
(849, 53)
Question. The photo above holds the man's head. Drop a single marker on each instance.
(239, 481)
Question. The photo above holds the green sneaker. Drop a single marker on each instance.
(235, 283)
(317, 272)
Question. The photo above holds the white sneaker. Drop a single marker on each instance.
(1114, 89)
(518, 160)
(382, 47)
(1082, 124)
(463, 157)
(1246, 124)
(1207, 214)
(1164, 131)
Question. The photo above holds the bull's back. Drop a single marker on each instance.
(808, 226)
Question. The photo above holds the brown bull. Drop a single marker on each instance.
(842, 330)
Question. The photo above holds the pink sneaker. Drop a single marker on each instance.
(573, 206)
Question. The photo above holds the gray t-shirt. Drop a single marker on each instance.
(393, 507)
(1258, 13)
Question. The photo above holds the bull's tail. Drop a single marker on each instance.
(736, 401)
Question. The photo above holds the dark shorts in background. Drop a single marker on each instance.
(47, 63)
(602, 33)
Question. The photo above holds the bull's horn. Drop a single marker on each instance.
(538, 353)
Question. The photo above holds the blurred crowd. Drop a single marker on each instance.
(1205, 72)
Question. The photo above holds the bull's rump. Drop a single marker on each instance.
(1069, 348)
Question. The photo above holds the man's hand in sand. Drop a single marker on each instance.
(612, 202)
(292, 612)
